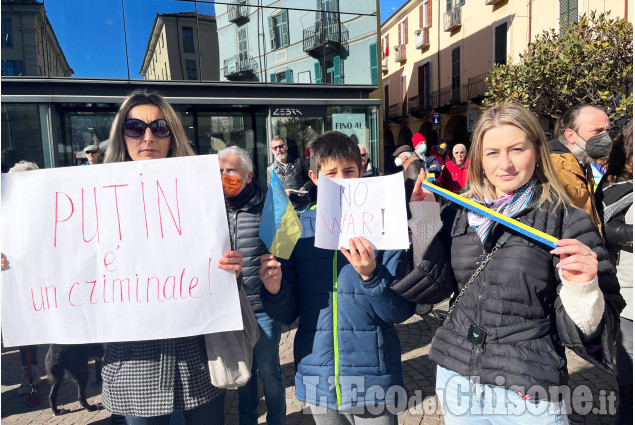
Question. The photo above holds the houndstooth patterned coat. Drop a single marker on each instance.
(153, 378)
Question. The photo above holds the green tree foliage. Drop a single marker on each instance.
(590, 61)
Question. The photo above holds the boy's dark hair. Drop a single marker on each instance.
(336, 146)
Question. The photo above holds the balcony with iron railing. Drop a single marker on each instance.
(324, 38)
(493, 2)
(476, 86)
(400, 53)
(422, 38)
(398, 111)
(418, 104)
(442, 98)
(452, 19)
(238, 13)
(239, 68)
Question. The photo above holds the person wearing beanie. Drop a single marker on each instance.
(429, 162)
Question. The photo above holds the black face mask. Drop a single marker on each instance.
(599, 145)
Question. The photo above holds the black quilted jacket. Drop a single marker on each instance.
(244, 224)
(515, 298)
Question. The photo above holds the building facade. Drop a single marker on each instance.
(436, 55)
(236, 73)
(29, 44)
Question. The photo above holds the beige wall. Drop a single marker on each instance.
(475, 37)
(166, 56)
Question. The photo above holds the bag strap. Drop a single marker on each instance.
(501, 241)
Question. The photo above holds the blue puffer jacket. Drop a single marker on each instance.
(357, 364)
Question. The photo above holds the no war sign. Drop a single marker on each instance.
(372, 207)
(116, 252)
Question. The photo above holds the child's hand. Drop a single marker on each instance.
(232, 260)
(578, 263)
(270, 273)
(419, 193)
(361, 256)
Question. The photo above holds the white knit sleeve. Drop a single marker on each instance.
(424, 224)
(584, 303)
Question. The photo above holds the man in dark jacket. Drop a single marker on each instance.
(293, 173)
(244, 200)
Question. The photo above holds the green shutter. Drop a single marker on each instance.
(337, 70)
(285, 28)
(318, 73)
(448, 5)
(374, 71)
(272, 33)
(288, 74)
(272, 77)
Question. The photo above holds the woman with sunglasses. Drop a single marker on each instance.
(146, 381)
(518, 303)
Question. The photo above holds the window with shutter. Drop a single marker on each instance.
(288, 76)
(421, 16)
(456, 73)
(272, 77)
(429, 13)
(405, 30)
(500, 44)
(272, 33)
(374, 69)
(448, 5)
(318, 72)
(284, 17)
(569, 11)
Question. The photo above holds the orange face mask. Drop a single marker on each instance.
(232, 185)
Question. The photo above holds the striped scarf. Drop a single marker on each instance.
(511, 204)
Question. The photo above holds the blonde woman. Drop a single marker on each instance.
(146, 381)
(501, 351)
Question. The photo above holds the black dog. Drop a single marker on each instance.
(74, 359)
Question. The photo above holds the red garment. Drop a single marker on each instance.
(454, 177)
(442, 159)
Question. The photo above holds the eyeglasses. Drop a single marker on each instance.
(91, 152)
(275, 148)
(136, 128)
(364, 155)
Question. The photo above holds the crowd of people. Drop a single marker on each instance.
(515, 304)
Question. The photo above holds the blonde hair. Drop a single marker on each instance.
(117, 151)
(520, 117)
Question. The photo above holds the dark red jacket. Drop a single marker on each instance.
(454, 177)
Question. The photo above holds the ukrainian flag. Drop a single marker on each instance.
(280, 227)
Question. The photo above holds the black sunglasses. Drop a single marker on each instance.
(91, 152)
(133, 127)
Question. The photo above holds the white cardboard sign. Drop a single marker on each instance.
(373, 207)
(116, 252)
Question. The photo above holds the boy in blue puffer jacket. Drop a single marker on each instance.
(347, 352)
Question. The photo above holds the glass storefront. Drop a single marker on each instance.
(26, 133)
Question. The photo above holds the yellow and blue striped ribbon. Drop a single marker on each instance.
(516, 225)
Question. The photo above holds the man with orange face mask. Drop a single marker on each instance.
(244, 200)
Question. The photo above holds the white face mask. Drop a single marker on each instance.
(398, 162)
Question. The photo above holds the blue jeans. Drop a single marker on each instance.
(267, 361)
(465, 402)
(212, 413)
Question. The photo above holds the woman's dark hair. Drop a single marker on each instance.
(620, 162)
(336, 146)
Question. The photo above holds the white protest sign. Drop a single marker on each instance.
(116, 252)
(373, 207)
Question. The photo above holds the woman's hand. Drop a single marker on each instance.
(270, 273)
(361, 256)
(419, 193)
(3, 261)
(578, 263)
(232, 260)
